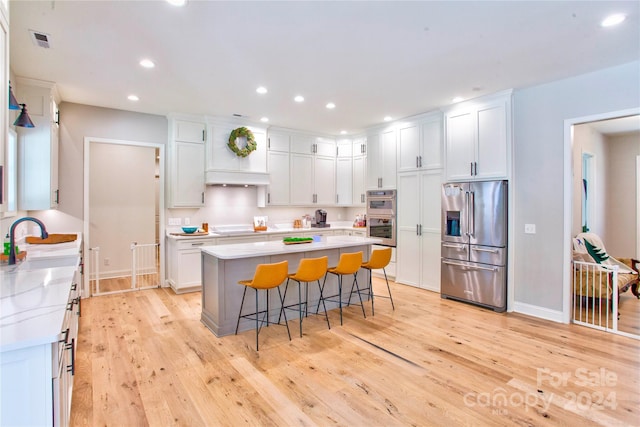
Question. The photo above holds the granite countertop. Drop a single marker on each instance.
(249, 250)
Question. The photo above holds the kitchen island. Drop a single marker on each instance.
(224, 265)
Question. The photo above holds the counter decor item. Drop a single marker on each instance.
(259, 223)
(239, 133)
(189, 230)
(296, 240)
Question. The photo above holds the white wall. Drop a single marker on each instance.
(621, 195)
(237, 205)
(79, 121)
(539, 116)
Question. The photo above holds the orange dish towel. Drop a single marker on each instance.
(52, 239)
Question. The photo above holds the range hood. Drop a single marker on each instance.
(217, 177)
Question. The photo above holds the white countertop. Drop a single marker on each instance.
(34, 294)
(249, 250)
(33, 304)
(278, 230)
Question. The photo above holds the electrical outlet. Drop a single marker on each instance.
(187, 221)
(530, 229)
(107, 261)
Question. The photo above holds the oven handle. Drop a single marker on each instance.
(471, 267)
(389, 216)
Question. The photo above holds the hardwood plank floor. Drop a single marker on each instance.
(144, 358)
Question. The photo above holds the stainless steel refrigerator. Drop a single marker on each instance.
(474, 243)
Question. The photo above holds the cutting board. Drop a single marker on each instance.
(52, 239)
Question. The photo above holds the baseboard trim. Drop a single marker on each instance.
(537, 311)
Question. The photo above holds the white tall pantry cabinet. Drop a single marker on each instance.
(419, 189)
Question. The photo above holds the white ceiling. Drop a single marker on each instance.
(371, 59)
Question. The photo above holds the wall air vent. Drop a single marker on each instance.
(40, 39)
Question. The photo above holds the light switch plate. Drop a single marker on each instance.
(530, 229)
(187, 221)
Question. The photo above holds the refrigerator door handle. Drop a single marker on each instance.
(470, 267)
(472, 213)
(449, 245)
(491, 251)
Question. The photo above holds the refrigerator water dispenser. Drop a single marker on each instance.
(453, 223)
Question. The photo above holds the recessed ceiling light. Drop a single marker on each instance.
(261, 90)
(457, 99)
(612, 20)
(387, 118)
(299, 98)
(147, 63)
(177, 2)
(331, 105)
(343, 132)
(264, 119)
(133, 98)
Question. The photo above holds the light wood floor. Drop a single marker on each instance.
(144, 358)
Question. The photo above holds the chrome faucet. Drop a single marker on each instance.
(12, 237)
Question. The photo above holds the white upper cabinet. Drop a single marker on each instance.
(278, 141)
(186, 162)
(313, 179)
(359, 191)
(420, 143)
(478, 139)
(38, 146)
(344, 173)
(5, 150)
(381, 159)
(278, 192)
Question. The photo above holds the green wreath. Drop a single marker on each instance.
(251, 142)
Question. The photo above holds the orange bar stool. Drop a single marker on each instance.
(349, 263)
(309, 270)
(379, 259)
(266, 277)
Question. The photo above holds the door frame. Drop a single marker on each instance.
(568, 198)
(87, 162)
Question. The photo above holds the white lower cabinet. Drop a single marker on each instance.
(183, 273)
(37, 381)
(418, 226)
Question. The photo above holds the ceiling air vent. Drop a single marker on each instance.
(40, 39)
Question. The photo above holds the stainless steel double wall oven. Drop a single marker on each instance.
(381, 216)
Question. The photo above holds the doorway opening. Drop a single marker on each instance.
(602, 170)
(123, 209)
